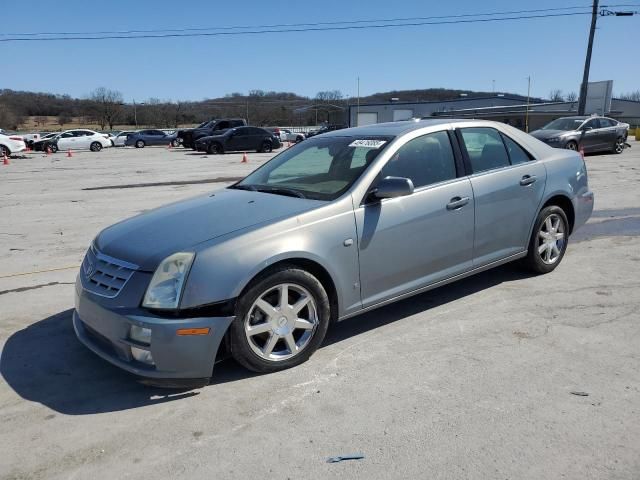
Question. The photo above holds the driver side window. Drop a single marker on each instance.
(424, 160)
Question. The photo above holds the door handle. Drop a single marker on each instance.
(457, 202)
(527, 180)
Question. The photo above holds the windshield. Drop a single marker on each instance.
(564, 124)
(318, 168)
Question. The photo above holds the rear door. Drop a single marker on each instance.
(609, 132)
(409, 242)
(508, 184)
(591, 135)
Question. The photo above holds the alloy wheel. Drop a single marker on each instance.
(281, 322)
(619, 148)
(551, 239)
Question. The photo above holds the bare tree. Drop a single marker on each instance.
(571, 97)
(41, 120)
(556, 96)
(108, 104)
(635, 96)
(64, 118)
(7, 118)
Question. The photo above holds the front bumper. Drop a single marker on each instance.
(105, 331)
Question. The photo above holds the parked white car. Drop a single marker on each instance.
(80, 140)
(11, 144)
(118, 140)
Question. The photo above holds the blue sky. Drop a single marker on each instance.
(467, 56)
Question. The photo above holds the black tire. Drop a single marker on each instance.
(266, 147)
(571, 145)
(618, 147)
(140, 144)
(534, 260)
(175, 143)
(242, 351)
(53, 147)
(95, 147)
(4, 151)
(214, 149)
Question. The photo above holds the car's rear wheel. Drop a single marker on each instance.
(618, 147)
(548, 241)
(140, 144)
(175, 143)
(52, 147)
(281, 319)
(571, 146)
(95, 147)
(266, 147)
(4, 151)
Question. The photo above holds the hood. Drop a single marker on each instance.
(544, 134)
(147, 239)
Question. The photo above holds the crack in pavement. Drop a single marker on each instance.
(165, 184)
(35, 287)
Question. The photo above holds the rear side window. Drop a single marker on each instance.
(485, 148)
(425, 160)
(516, 153)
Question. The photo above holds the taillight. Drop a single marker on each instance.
(277, 131)
(20, 139)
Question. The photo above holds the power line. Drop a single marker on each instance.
(293, 30)
(314, 24)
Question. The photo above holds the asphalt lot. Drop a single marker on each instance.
(472, 380)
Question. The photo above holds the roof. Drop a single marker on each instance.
(391, 128)
(426, 102)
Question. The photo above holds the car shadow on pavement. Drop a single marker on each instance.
(45, 363)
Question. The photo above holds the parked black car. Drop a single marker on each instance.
(325, 129)
(189, 136)
(238, 139)
(592, 134)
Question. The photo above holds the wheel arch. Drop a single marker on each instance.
(310, 265)
(565, 203)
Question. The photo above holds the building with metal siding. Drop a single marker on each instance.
(502, 109)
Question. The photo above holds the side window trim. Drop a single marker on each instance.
(457, 160)
(503, 136)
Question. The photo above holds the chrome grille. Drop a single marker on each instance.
(105, 275)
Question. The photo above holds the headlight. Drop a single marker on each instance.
(165, 288)
(554, 139)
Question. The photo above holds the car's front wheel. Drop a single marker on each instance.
(214, 148)
(571, 145)
(549, 240)
(95, 147)
(52, 147)
(4, 151)
(281, 319)
(140, 144)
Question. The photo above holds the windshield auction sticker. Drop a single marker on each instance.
(367, 143)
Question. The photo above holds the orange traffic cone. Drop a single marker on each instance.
(582, 152)
(69, 153)
(48, 151)
(244, 158)
(5, 161)
(169, 146)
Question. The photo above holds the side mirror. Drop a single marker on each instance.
(586, 129)
(392, 187)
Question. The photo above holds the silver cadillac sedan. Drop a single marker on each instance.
(335, 226)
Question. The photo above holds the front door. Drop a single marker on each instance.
(508, 184)
(409, 242)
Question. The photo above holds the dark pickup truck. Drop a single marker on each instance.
(189, 136)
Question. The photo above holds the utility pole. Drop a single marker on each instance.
(582, 103)
(358, 107)
(526, 118)
(135, 113)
